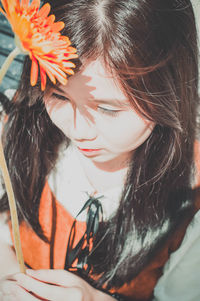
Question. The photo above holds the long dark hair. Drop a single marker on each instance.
(150, 46)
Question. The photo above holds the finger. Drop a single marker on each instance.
(58, 277)
(48, 291)
(11, 291)
(7, 287)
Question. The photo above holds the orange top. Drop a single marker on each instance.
(56, 223)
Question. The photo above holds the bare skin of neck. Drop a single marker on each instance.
(105, 175)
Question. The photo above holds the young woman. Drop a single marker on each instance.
(104, 169)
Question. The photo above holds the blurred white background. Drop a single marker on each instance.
(196, 4)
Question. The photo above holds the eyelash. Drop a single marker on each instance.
(60, 97)
(112, 113)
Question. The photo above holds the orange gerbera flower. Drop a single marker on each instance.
(38, 35)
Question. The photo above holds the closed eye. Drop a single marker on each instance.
(59, 96)
(109, 111)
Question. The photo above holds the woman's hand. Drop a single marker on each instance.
(10, 290)
(53, 285)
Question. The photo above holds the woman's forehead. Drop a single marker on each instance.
(94, 81)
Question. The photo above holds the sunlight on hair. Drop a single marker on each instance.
(100, 13)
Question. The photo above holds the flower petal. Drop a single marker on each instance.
(69, 71)
(5, 5)
(44, 11)
(35, 4)
(71, 49)
(51, 19)
(43, 78)
(54, 68)
(24, 4)
(34, 71)
(51, 76)
(58, 26)
(68, 64)
(55, 71)
(39, 35)
(71, 56)
(12, 6)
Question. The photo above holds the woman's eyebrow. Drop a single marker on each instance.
(59, 89)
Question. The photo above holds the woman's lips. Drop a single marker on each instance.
(89, 151)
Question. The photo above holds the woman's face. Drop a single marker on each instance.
(93, 112)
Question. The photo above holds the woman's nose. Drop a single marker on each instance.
(82, 127)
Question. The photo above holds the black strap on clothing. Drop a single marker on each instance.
(81, 252)
(53, 232)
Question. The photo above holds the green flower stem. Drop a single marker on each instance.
(8, 61)
(6, 177)
(13, 210)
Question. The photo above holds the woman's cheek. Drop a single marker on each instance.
(113, 130)
(125, 131)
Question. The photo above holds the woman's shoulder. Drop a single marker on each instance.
(181, 274)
